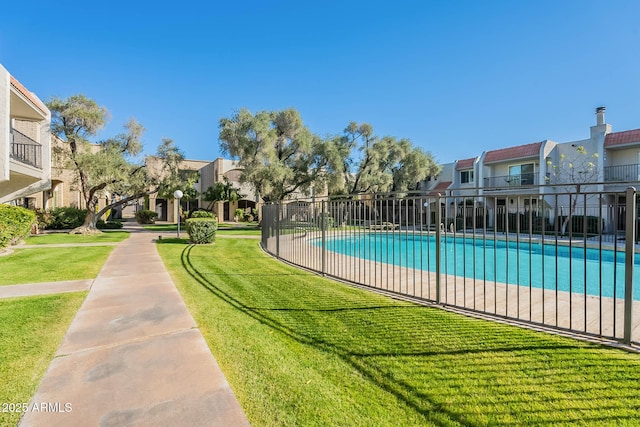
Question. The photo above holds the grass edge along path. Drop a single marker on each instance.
(223, 229)
(36, 265)
(66, 238)
(31, 330)
(299, 349)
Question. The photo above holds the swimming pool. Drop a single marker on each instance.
(518, 263)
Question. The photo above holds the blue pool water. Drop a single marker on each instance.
(523, 264)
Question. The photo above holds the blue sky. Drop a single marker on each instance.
(456, 78)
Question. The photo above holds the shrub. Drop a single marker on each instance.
(202, 214)
(202, 230)
(248, 215)
(239, 214)
(325, 221)
(44, 218)
(109, 225)
(66, 218)
(146, 217)
(15, 223)
(5, 235)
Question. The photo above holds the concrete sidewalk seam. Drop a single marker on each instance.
(125, 342)
(66, 245)
(45, 288)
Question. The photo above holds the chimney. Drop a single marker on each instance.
(600, 116)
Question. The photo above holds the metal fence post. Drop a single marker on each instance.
(278, 213)
(438, 246)
(630, 237)
(323, 226)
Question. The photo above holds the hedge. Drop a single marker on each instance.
(109, 225)
(202, 214)
(61, 218)
(202, 230)
(15, 223)
(146, 216)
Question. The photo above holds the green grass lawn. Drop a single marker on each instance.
(223, 228)
(35, 265)
(239, 232)
(299, 349)
(31, 330)
(239, 225)
(59, 238)
(162, 228)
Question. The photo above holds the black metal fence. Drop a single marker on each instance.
(564, 260)
(25, 149)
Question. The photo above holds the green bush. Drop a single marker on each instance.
(239, 214)
(202, 230)
(325, 221)
(65, 218)
(109, 225)
(146, 217)
(44, 218)
(15, 223)
(202, 214)
(5, 235)
(248, 215)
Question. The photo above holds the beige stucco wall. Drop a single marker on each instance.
(22, 109)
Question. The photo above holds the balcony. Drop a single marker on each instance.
(510, 181)
(25, 149)
(622, 173)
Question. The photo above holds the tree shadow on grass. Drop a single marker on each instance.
(449, 368)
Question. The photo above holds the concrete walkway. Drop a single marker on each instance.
(133, 355)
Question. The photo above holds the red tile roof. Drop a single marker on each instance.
(30, 96)
(619, 138)
(518, 152)
(465, 164)
(443, 185)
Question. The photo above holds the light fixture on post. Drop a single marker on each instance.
(178, 195)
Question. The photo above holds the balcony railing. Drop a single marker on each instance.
(622, 173)
(522, 180)
(25, 149)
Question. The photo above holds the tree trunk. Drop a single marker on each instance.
(89, 226)
(573, 203)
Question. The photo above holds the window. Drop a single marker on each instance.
(466, 177)
(521, 174)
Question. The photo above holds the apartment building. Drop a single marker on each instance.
(25, 141)
(207, 174)
(521, 177)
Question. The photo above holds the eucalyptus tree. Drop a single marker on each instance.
(358, 161)
(275, 151)
(111, 168)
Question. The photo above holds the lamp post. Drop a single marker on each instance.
(178, 195)
(428, 221)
